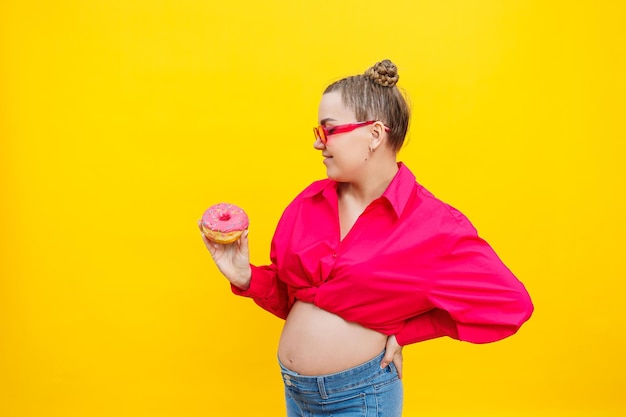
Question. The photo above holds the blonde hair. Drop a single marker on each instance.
(374, 95)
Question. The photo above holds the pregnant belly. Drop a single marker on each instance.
(316, 342)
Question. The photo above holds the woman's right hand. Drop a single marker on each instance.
(233, 260)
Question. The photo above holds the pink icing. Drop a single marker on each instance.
(225, 218)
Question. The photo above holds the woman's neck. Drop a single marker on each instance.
(372, 185)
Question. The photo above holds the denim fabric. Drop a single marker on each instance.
(362, 391)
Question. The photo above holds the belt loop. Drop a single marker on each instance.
(321, 387)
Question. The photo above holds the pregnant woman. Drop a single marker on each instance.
(367, 261)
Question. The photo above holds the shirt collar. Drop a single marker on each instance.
(397, 193)
(400, 188)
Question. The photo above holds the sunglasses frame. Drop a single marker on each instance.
(322, 132)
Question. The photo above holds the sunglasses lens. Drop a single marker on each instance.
(320, 134)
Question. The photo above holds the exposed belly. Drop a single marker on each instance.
(316, 342)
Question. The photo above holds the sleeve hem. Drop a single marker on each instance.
(430, 325)
(260, 283)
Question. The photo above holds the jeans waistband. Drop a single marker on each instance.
(337, 382)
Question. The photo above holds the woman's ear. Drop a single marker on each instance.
(378, 135)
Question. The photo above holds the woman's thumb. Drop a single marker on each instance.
(386, 360)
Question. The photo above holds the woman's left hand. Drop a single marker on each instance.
(393, 353)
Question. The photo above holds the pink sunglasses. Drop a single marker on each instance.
(322, 133)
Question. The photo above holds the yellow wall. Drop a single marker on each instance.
(121, 121)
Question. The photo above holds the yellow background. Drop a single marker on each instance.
(121, 121)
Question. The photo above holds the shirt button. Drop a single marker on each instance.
(334, 255)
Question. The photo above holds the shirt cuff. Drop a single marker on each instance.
(430, 325)
(261, 283)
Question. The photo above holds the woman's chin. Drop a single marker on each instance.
(331, 174)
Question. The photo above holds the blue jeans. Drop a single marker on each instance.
(362, 391)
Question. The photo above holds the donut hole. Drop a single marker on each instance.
(224, 217)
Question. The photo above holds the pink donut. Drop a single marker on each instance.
(224, 223)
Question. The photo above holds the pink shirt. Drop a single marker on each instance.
(411, 266)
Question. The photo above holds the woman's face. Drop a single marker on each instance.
(344, 154)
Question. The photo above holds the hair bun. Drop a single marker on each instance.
(384, 73)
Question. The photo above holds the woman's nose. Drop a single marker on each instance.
(318, 144)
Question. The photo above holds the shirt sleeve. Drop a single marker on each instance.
(475, 297)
